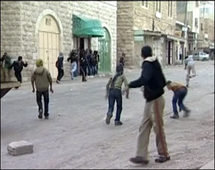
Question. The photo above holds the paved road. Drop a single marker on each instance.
(76, 136)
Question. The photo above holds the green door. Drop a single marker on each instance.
(104, 53)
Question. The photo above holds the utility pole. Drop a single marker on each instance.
(186, 30)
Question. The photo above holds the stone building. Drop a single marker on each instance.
(146, 23)
(42, 29)
(206, 32)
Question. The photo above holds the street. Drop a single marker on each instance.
(76, 136)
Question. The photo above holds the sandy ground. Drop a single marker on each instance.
(76, 135)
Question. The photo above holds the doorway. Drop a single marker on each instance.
(105, 52)
(49, 43)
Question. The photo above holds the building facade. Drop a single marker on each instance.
(206, 33)
(37, 29)
(146, 23)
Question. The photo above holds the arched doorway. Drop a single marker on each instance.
(105, 52)
(49, 43)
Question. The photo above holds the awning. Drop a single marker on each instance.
(86, 27)
(146, 32)
(175, 38)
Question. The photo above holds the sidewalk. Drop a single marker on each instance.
(209, 165)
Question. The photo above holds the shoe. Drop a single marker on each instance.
(174, 116)
(187, 85)
(108, 119)
(46, 117)
(138, 160)
(162, 158)
(40, 116)
(118, 123)
(186, 113)
(57, 81)
(179, 109)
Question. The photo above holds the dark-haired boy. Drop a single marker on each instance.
(180, 91)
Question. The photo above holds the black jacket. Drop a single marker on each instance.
(59, 63)
(18, 66)
(152, 78)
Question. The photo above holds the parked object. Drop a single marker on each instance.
(20, 148)
(201, 56)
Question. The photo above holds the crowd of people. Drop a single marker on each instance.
(82, 62)
(152, 79)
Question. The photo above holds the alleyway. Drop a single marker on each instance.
(76, 135)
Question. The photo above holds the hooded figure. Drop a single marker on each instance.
(153, 80)
(42, 79)
(59, 65)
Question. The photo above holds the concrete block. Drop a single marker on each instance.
(20, 148)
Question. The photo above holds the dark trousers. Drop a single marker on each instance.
(83, 72)
(89, 70)
(18, 76)
(94, 70)
(60, 74)
(45, 95)
(115, 95)
(179, 96)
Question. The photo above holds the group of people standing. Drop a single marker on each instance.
(153, 81)
(83, 62)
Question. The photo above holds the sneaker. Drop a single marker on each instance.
(174, 116)
(139, 160)
(46, 117)
(108, 119)
(186, 113)
(40, 116)
(118, 123)
(162, 158)
(57, 81)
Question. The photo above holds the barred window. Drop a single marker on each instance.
(145, 4)
(170, 8)
(158, 6)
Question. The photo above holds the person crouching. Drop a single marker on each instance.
(180, 91)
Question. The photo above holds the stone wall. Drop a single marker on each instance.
(20, 22)
(144, 17)
(125, 22)
(133, 16)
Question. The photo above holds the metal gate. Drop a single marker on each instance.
(105, 52)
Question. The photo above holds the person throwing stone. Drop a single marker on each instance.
(153, 80)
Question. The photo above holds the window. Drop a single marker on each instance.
(145, 4)
(196, 22)
(169, 8)
(197, 4)
(48, 21)
(158, 6)
(201, 26)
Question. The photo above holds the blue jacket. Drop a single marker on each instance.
(152, 78)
